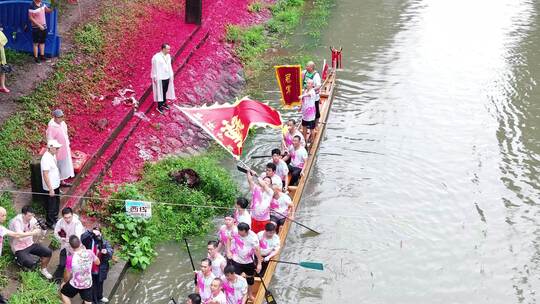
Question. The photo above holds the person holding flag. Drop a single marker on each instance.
(260, 201)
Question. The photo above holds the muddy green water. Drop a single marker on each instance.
(426, 187)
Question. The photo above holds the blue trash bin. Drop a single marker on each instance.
(18, 29)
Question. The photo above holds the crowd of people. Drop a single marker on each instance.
(84, 254)
(248, 239)
(245, 244)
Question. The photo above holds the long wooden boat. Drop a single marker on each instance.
(327, 96)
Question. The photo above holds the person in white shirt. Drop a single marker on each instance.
(218, 261)
(242, 249)
(241, 214)
(269, 243)
(162, 78)
(260, 201)
(311, 74)
(271, 172)
(281, 207)
(57, 129)
(204, 279)
(12, 234)
(50, 176)
(235, 286)
(298, 158)
(67, 226)
(216, 295)
(282, 170)
(288, 137)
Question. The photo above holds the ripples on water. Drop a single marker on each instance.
(426, 186)
(431, 156)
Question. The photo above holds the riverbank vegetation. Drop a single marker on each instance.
(252, 44)
(179, 210)
(78, 76)
(34, 290)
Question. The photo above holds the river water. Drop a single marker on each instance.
(426, 187)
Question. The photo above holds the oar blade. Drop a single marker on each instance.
(312, 265)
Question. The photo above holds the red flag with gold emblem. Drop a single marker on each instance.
(289, 78)
(229, 124)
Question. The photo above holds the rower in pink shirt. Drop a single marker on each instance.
(260, 201)
(216, 294)
(226, 230)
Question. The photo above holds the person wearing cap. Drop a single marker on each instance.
(50, 176)
(57, 130)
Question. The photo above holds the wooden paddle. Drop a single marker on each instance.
(269, 297)
(296, 222)
(191, 260)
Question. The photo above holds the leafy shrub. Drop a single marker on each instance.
(55, 243)
(134, 235)
(175, 213)
(34, 289)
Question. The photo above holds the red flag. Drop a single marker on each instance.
(289, 78)
(229, 124)
(324, 70)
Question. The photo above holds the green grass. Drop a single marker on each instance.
(90, 38)
(286, 15)
(255, 7)
(251, 43)
(318, 17)
(34, 289)
(16, 58)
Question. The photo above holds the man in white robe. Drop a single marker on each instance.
(162, 78)
(57, 130)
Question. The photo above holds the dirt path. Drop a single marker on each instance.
(27, 76)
